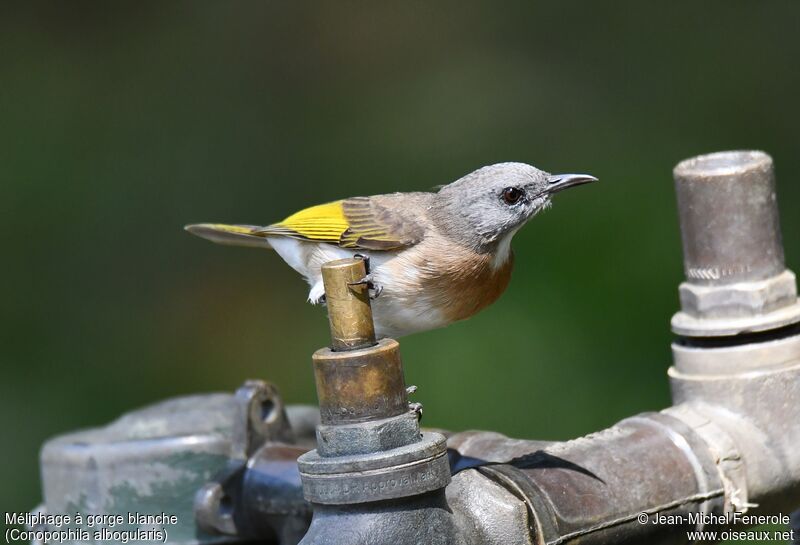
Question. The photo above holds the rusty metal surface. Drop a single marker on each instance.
(347, 298)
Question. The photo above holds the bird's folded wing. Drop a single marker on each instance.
(369, 223)
(380, 223)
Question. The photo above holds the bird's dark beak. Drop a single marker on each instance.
(560, 182)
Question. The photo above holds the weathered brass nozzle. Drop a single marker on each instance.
(349, 310)
(360, 385)
(358, 379)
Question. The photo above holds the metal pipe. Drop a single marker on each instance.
(736, 281)
(347, 298)
(729, 217)
(743, 400)
(613, 486)
(740, 391)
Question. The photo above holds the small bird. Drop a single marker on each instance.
(433, 257)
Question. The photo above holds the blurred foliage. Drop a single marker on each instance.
(121, 124)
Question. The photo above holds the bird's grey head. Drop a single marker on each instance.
(493, 201)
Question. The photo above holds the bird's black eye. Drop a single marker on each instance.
(512, 195)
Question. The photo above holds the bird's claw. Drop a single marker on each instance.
(417, 408)
(374, 288)
(365, 259)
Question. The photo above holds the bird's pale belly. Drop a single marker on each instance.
(419, 298)
(418, 294)
(396, 317)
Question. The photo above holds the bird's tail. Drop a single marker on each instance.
(233, 235)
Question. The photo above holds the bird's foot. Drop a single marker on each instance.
(417, 408)
(374, 288)
(365, 259)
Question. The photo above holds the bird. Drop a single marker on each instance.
(433, 258)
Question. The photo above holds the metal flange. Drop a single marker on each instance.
(396, 473)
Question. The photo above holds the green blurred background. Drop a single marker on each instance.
(121, 124)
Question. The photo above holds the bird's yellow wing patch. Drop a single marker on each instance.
(369, 223)
(324, 222)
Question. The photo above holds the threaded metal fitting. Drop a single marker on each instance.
(736, 281)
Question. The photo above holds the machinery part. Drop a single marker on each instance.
(736, 281)
(407, 470)
(149, 461)
(271, 504)
(360, 385)
(223, 451)
(347, 298)
(487, 513)
(368, 437)
(213, 509)
(258, 493)
(740, 392)
(419, 519)
(595, 489)
(472, 510)
(749, 392)
(369, 444)
(726, 455)
(261, 418)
